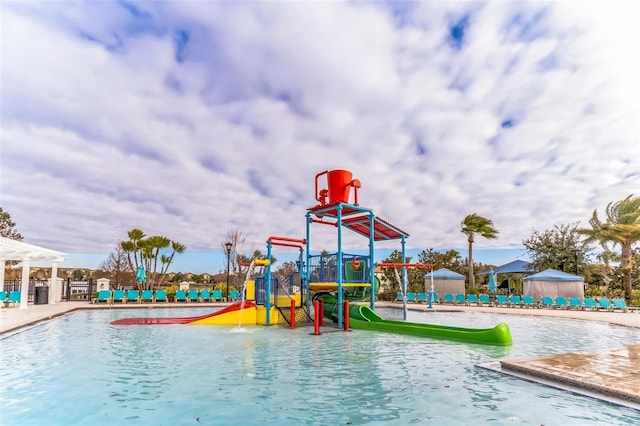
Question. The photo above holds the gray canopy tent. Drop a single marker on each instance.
(515, 267)
(444, 281)
(553, 283)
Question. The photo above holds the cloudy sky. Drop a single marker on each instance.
(189, 119)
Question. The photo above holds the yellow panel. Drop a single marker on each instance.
(244, 316)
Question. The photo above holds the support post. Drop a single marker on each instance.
(316, 318)
(346, 315)
(292, 320)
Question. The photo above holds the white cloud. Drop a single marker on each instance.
(108, 122)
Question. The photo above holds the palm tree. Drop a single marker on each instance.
(622, 227)
(475, 224)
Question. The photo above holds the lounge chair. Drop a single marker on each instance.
(411, 297)
(133, 296)
(590, 303)
(233, 295)
(484, 300)
(460, 299)
(13, 299)
(217, 296)
(514, 300)
(528, 302)
(192, 296)
(448, 298)
(561, 302)
(181, 296)
(620, 304)
(501, 300)
(422, 297)
(605, 304)
(205, 295)
(118, 296)
(3, 297)
(103, 296)
(472, 299)
(161, 296)
(399, 297)
(575, 303)
(434, 297)
(547, 302)
(147, 296)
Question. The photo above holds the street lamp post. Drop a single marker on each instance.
(576, 252)
(228, 245)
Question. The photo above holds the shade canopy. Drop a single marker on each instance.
(553, 275)
(444, 274)
(553, 283)
(19, 250)
(515, 267)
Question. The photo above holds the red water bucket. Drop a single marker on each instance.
(338, 182)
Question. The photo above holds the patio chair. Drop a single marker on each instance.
(13, 299)
(103, 296)
(590, 303)
(118, 296)
(217, 296)
(605, 304)
(484, 299)
(161, 296)
(3, 297)
(181, 296)
(192, 296)
(472, 299)
(620, 304)
(501, 300)
(422, 297)
(575, 303)
(133, 296)
(547, 302)
(233, 295)
(528, 302)
(205, 295)
(434, 297)
(561, 302)
(398, 297)
(146, 296)
(514, 300)
(411, 297)
(448, 298)
(460, 299)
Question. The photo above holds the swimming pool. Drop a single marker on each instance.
(80, 370)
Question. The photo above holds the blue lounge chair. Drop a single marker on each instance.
(590, 303)
(620, 304)
(448, 298)
(605, 304)
(3, 297)
(103, 296)
(501, 300)
(485, 300)
(133, 296)
(161, 296)
(514, 300)
(399, 297)
(146, 296)
(561, 302)
(422, 297)
(547, 302)
(528, 302)
(14, 298)
(472, 299)
(575, 303)
(460, 299)
(118, 296)
(434, 297)
(411, 297)
(181, 296)
(192, 296)
(217, 296)
(205, 295)
(233, 295)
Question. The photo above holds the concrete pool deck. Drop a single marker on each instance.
(612, 375)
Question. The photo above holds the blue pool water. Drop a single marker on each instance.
(79, 370)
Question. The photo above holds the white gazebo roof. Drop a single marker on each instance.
(19, 250)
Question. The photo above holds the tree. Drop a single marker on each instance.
(8, 226)
(475, 224)
(622, 227)
(117, 266)
(148, 252)
(559, 248)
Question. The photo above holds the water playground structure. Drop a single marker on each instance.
(324, 284)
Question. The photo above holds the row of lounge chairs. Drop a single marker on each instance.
(588, 303)
(158, 296)
(11, 299)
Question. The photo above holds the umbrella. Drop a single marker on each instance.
(492, 282)
(141, 275)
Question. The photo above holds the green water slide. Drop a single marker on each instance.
(355, 275)
(362, 317)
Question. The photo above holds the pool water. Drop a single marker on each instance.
(80, 370)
